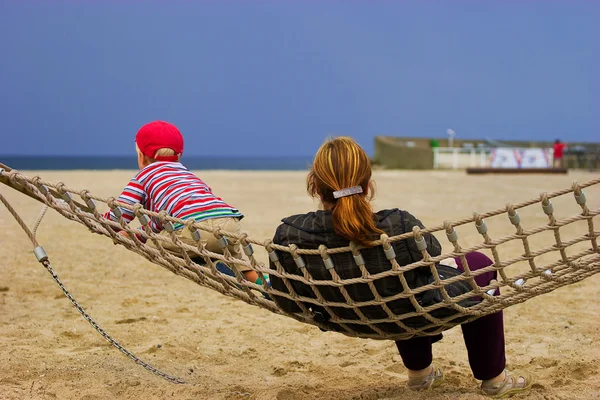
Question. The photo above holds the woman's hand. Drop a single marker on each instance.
(449, 262)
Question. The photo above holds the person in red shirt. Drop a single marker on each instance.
(559, 147)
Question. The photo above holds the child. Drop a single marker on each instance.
(163, 183)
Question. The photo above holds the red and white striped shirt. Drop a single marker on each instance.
(172, 187)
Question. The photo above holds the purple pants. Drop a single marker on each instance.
(484, 337)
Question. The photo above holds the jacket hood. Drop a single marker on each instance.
(316, 227)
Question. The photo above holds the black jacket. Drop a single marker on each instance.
(308, 231)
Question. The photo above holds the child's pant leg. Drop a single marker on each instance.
(208, 239)
(211, 243)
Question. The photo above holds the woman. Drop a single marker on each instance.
(341, 178)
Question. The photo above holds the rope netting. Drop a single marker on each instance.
(531, 271)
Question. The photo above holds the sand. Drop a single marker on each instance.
(226, 349)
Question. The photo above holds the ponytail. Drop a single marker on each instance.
(341, 163)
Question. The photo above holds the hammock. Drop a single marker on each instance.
(577, 259)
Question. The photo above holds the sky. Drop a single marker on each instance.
(258, 78)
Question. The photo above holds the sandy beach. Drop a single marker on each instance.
(226, 349)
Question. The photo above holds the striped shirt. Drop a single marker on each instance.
(171, 187)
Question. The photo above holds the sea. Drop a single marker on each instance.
(295, 163)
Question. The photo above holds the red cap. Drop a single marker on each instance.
(159, 135)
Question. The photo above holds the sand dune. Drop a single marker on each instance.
(226, 349)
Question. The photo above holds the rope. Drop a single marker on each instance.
(20, 221)
(38, 221)
(43, 259)
(194, 262)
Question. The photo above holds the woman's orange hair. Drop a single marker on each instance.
(341, 163)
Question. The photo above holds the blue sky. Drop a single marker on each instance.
(277, 77)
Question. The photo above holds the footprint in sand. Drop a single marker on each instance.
(580, 370)
(370, 351)
(396, 369)
(157, 320)
(128, 302)
(348, 363)
(130, 320)
(561, 383)
(291, 366)
(71, 334)
(154, 349)
(279, 371)
(295, 393)
(239, 393)
(544, 362)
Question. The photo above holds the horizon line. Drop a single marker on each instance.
(133, 156)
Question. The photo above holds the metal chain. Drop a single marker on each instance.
(46, 264)
(43, 259)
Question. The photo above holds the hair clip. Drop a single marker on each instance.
(347, 192)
